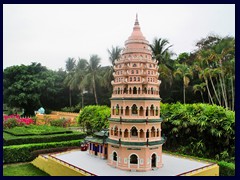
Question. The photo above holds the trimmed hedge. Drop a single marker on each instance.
(17, 140)
(22, 153)
(225, 168)
(36, 130)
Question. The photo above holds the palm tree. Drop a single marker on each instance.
(68, 81)
(114, 54)
(201, 88)
(92, 76)
(185, 72)
(160, 50)
(162, 54)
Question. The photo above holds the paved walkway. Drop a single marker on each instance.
(172, 165)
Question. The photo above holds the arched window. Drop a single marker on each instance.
(136, 71)
(134, 65)
(111, 131)
(116, 131)
(141, 134)
(156, 111)
(120, 133)
(153, 132)
(127, 111)
(133, 159)
(113, 110)
(118, 91)
(151, 90)
(141, 111)
(121, 110)
(134, 79)
(138, 78)
(117, 109)
(139, 90)
(125, 90)
(130, 90)
(132, 72)
(157, 132)
(126, 133)
(134, 109)
(134, 90)
(130, 79)
(152, 110)
(147, 111)
(134, 132)
(115, 156)
(145, 90)
(147, 134)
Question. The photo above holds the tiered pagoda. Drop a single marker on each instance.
(135, 141)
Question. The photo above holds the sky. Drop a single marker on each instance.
(50, 33)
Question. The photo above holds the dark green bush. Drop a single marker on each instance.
(201, 130)
(17, 140)
(22, 153)
(226, 169)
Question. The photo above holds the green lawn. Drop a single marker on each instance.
(22, 170)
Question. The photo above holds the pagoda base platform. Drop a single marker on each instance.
(81, 163)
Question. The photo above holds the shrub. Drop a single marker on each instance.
(22, 153)
(15, 120)
(16, 140)
(61, 122)
(199, 129)
(94, 118)
(226, 169)
(10, 123)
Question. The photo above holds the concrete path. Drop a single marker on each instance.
(172, 165)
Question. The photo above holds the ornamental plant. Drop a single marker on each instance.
(15, 120)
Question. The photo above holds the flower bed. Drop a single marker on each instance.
(15, 120)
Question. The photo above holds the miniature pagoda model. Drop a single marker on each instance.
(135, 141)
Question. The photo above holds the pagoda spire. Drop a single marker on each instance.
(136, 21)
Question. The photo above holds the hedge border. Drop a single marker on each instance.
(22, 153)
(43, 138)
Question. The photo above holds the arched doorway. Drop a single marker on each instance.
(115, 156)
(154, 161)
(133, 159)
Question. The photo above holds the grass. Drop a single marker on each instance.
(36, 130)
(22, 170)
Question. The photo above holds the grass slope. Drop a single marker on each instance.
(22, 170)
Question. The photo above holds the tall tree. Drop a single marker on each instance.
(185, 72)
(23, 85)
(161, 52)
(92, 76)
(113, 54)
(70, 68)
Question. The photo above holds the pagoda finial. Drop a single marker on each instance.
(136, 21)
